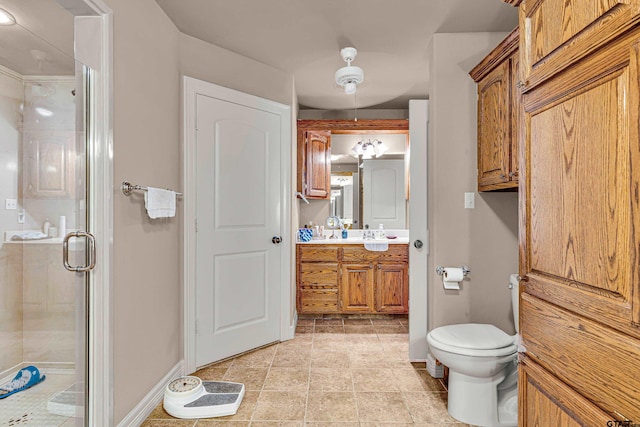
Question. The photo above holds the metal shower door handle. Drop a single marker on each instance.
(92, 252)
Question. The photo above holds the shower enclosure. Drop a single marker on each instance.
(43, 182)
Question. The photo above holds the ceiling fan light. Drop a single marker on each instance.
(350, 88)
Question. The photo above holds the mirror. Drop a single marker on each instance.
(369, 191)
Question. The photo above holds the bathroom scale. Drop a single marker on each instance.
(190, 397)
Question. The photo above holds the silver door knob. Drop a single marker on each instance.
(418, 244)
(276, 240)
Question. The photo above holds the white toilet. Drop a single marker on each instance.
(483, 375)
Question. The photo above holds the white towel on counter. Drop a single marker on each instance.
(160, 203)
(29, 235)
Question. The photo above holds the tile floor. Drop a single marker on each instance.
(335, 372)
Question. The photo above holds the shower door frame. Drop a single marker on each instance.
(93, 38)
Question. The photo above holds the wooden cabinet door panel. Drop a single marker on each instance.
(557, 33)
(392, 288)
(546, 401)
(356, 288)
(318, 173)
(603, 364)
(494, 125)
(582, 211)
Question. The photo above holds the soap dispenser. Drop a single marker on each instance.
(380, 234)
(46, 226)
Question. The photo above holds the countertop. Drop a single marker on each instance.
(355, 238)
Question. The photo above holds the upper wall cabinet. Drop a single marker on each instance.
(498, 116)
(314, 163)
(550, 41)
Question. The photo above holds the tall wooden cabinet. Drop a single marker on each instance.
(580, 212)
(498, 116)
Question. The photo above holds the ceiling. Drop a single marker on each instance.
(300, 37)
(304, 38)
(41, 43)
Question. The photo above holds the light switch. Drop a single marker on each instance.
(11, 204)
(469, 200)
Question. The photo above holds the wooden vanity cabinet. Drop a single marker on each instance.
(350, 279)
(498, 116)
(314, 163)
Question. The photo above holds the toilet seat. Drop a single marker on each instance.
(473, 339)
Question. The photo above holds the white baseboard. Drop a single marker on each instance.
(151, 400)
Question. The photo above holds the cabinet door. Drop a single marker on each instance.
(517, 117)
(494, 126)
(50, 164)
(392, 288)
(318, 287)
(356, 288)
(546, 401)
(318, 164)
(582, 210)
(582, 217)
(557, 33)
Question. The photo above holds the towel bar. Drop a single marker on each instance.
(128, 188)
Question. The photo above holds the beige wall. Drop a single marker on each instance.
(147, 319)
(149, 60)
(214, 64)
(484, 238)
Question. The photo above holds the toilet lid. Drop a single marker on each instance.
(473, 336)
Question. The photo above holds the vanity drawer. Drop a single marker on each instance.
(318, 273)
(319, 253)
(357, 253)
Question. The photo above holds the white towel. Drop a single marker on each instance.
(160, 203)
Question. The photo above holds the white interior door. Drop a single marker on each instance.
(384, 191)
(238, 210)
(418, 230)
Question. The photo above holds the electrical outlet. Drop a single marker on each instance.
(469, 200)
(11, 204)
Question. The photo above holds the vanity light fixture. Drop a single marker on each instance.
(369, 148)
(6, 18)
(350, 76)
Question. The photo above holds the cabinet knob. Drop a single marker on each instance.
(502, 176)
(512, 174)
(520, 84)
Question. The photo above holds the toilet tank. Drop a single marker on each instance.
(514, 285)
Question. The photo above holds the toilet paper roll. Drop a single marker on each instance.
(451, 277)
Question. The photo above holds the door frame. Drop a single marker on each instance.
(93, 40)
(192, 87)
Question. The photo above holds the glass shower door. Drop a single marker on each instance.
(45, 249)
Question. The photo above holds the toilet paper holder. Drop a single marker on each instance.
(465, 270)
